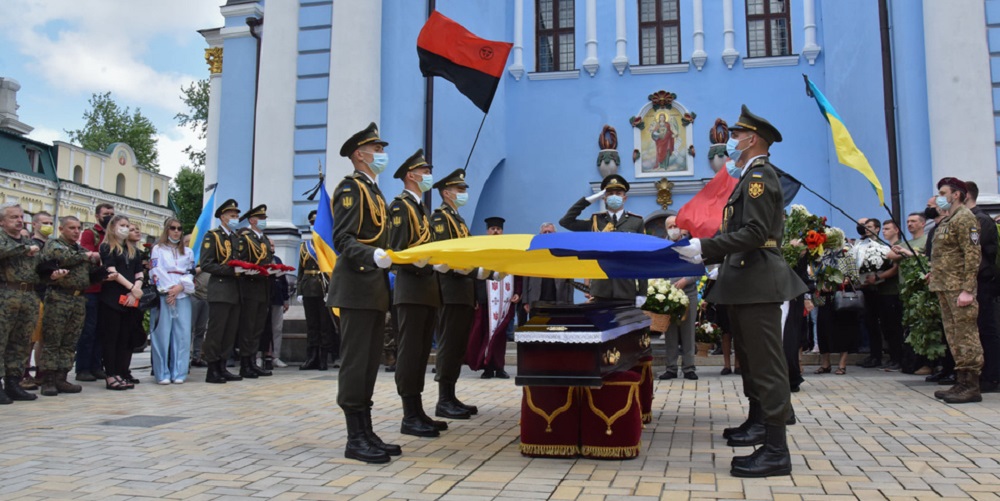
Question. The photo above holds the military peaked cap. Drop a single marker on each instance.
(456, 178)
(227, 206)
(312, 216)
(367, 136)
(614, 181)
(763, 128)
(415, 161)
(495, 221)
(258, 211)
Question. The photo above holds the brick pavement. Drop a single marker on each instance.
(867, 435)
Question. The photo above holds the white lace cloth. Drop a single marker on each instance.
(560, 334)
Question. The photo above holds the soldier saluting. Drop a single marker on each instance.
(255, 290)
(360, 288)
(218, 248)
(753, 281)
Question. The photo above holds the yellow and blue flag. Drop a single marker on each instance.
(203, 225)
(322, 235)
(847, 152)
(559, 255)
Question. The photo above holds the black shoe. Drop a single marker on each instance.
(85, 376)
(128, 378)
(312, 360)
(245, 370)
(791, 418)
(691, 375)
(448, 406)
(871, 362)
(947, 380)
(668, 375)
(933, 378)
(268, 364)
(773, 459)
(390, 368)
(753, 435)
(438, 425)
(725, 371)
(257, 369)
(412, 423)
(501, 374)
(359, 446)
(893, 367)
(794, 388)
(224, 372)
(752, 417)
(198, 362)
(390, 449)
(737, 371)
(12, 387)
(487, 374)
(323, 360)
(214, 375)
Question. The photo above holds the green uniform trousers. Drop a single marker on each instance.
(255, 302)
(17, 321)
(62, 322)
(223, 320)
(361, 333)
(416, 334)
(453, 338)
(962, 331)
(756, 330)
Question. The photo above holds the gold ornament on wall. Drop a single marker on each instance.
(213, 56)
(664, 193)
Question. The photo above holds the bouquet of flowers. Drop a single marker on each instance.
(804, 232)
(873, 259)
(245, 268)
(662, 298)
(707, 332)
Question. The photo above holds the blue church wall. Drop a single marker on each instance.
(236, 113)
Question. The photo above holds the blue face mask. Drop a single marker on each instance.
(426, 182)
(261, 224)
(233, 223)
(942, 202)
(734, 154)
(614, 202)
(379, 162)
(461, 199)
(733, 170)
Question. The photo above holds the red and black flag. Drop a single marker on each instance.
(473, 64)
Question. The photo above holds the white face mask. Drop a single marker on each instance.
(674, 234)
(122, 231)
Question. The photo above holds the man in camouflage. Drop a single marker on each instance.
(955, 256)
(65, 304)
(18, 277)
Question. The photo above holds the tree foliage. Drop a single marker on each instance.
(195, 97)
(187, 191)
(921, 310)
(107, 123)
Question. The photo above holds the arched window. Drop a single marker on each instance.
(120, 184)
(78, 174)
(659, 32)
(156, 197)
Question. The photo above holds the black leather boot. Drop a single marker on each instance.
(752, 417)
(12, 387)
(753, 435)
(220, 367)
(773, 459)
(390, 449)
(358, 445)
(257, 369)
(212, 375)
(267, 363)
(312, 360)
(447, 405)
(245, 369)
(413, 423)
(323, 360)
(791, 416)
(438, 425)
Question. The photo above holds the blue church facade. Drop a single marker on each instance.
(324, 69)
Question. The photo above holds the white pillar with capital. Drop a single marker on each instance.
(590, 63)
(213, 56)
(729, 53)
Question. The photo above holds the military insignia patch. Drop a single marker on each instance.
(397, 220)
(439, 228)
(756, 189)
(757, 175)
(974, 235)
(347, 202)
(207, 245)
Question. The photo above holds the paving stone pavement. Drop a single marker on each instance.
(866, 435)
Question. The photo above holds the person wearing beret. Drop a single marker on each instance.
(753, 281)
(416, 296)
(255, 290)
(360, 288)
(458, 298)
(614, 192)
(322, 339)
(218, 248)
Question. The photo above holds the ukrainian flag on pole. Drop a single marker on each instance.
(322, 235)
(847, 152)
(202, 226)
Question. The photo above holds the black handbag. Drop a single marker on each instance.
(848, 301)
(150, 297)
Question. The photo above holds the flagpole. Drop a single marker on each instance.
(429, 116)
(474, 141)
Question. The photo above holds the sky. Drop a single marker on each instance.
(143, 51)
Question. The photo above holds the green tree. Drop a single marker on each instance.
(195, 96)
(187, 191)
(107, 123)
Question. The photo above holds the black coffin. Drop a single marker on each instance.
(575, 345)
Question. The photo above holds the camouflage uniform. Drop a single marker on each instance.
(954, 266)
(65, 304)
(20, 303)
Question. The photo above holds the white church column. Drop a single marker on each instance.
(275, 125)
(213, 56)
(810, 50)
(960, 112)
(355, 78)
(698, 56)
(516, 68)
(620, 61)
(590, 63)
(729, 53)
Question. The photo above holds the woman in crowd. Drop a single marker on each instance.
(171, 272)
(119, 301)
(837, 331)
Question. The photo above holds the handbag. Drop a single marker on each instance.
(848, 301)
(150, 297)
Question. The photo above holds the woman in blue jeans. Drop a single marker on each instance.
(172, 264)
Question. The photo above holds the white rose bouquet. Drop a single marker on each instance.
(874, 259)
(663, 298)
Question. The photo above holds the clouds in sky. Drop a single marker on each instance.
(143, 51)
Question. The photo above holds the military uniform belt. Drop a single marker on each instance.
(769, 244)
(19, 286)
(312, 272)
(68, 292)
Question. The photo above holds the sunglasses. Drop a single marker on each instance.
(175, 228)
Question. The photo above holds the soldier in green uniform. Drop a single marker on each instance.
(753, 282)
(19, 257)
(321, 335)
(255, 290)
(458, 297)
(614, 191)
(955, 259)
(218, 248)
(416, 296)
(65, 305)
(360, 288)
